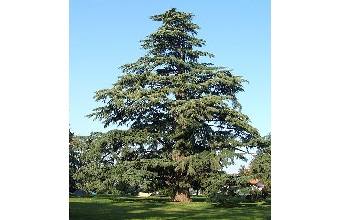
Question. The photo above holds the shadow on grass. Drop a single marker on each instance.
(159, 208)
(243, 203)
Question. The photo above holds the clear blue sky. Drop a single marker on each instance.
(105, 34)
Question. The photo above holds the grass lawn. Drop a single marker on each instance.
(108, 207)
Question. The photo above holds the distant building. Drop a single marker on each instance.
(257, 183)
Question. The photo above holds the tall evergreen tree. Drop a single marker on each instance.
(184, 121)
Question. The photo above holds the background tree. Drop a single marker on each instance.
(260, 166)
(74, 161)
(94, 171)
(100, 164)
(259, 170)
(183, 119)
(97, 171)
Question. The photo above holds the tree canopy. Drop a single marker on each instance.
(180, 120)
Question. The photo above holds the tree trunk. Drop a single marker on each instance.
(182, 195)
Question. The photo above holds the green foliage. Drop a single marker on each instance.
(261, 164)
(184, 121)
(96, 169)
(225, 189)
(219, 188)
(74, 161)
